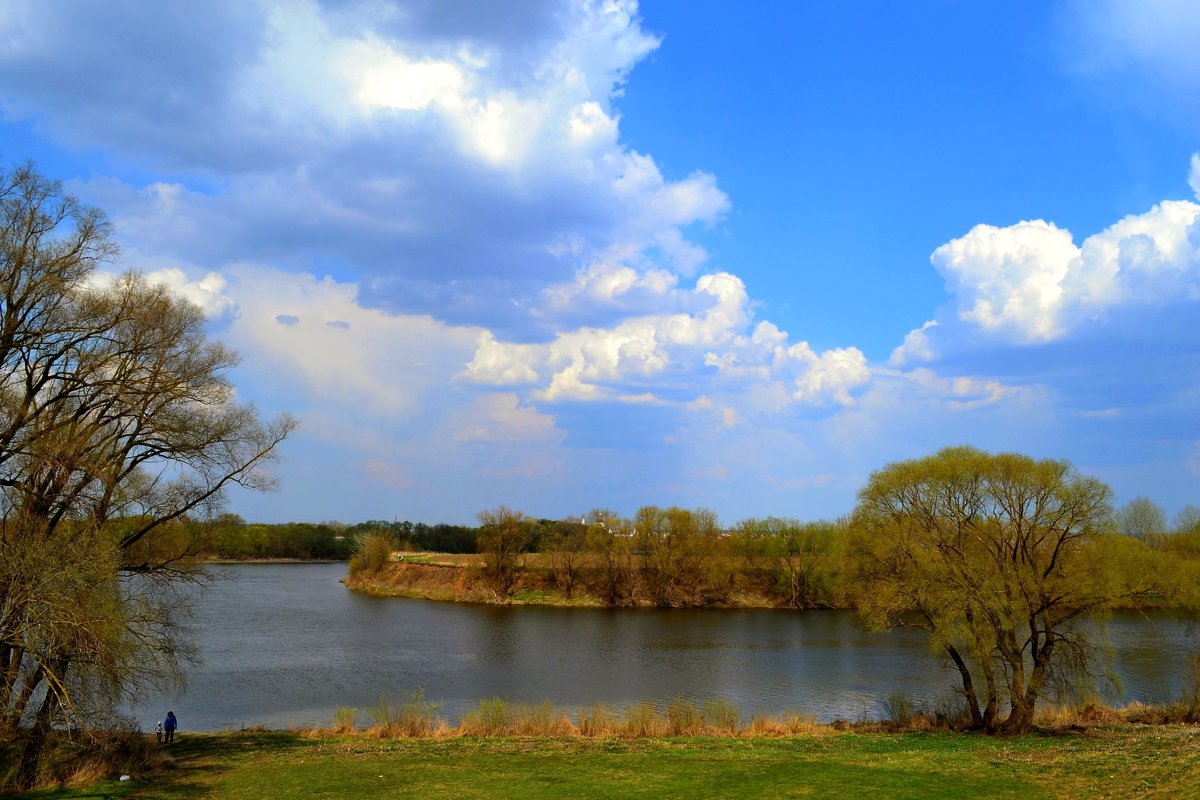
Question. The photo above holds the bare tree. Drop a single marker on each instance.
(505, 536)
(1142, 519)
(117, 423)
(567, 547)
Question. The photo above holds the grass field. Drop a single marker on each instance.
(1102, 762)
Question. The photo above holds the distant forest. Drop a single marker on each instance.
(231, 538)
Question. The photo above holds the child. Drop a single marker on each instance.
(158, 731)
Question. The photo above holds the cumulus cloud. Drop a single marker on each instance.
(1030, 282)
(210, 292)
(661, 351)
(915, 347)
(439, 162)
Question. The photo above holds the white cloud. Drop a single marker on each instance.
(1009, 280)
(583, 364)
(502, 418)
(443, 156)
(1155, 37)
(832, 374)
(670, 351)
(314, 335)
(915, 347)
(608, 287)
(210, 293)
(1030, 283)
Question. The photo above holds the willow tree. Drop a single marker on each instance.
(1005, 561)
(683, 556)
(505, 537)
(118, 423)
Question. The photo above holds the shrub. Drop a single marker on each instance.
(599, 720)
(641, 721)
(541, 719)
(722, 717)
(489, 719)
(898, 710)
(345, 719)
(372, 551)
(413, 717)
(683, 718)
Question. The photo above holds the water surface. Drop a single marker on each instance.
(285, 644)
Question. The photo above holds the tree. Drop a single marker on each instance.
(1142, 519)
(796, 560)
(1187, 520)
(117, 424)
(567, 547)
(505, 536)
(681, 556)
(610, 541)
(1002, 560)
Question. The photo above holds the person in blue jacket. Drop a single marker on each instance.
(169, 726)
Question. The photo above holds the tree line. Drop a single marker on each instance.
(679, 557)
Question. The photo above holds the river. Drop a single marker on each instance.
(285, 644)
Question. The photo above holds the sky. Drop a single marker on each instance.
(564, 255)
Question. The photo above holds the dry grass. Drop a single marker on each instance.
(87, 772)
(416, 718)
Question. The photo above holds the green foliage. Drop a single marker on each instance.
(440, 538)
(796, 561)
(999, 558)
(682, 556)
(229, 537)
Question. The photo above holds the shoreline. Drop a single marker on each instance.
(455, 579)
(226, 561)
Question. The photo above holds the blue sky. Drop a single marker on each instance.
(565, 255)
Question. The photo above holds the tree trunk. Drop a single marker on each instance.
(977, 721)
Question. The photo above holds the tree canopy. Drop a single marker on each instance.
(1005, 561)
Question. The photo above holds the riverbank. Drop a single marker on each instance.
(227, 561)
(460, 578)
(1105, 761)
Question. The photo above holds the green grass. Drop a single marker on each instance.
(1124, 761)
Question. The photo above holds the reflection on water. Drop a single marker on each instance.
(286, 644)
